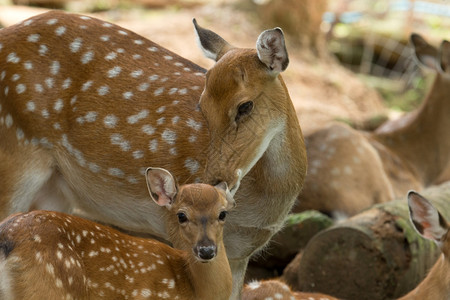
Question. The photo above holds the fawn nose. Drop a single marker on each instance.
(206, 252)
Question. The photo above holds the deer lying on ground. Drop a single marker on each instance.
(51, 255)
(430, 224)
(350, 170)
(275, 289)
(86, 106)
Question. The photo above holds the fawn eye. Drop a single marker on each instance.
(222, 215)
(244, 109)
(182, 218)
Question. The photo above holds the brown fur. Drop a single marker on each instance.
(58, 256)
(84, 148)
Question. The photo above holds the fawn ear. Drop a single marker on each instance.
(272, 50)
(223, 188)
(426, 218)
(425, 54)
(161, 186)
(212, 45)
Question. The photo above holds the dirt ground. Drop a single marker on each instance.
(321, 90)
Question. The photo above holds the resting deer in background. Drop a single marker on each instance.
(86, 106)
(430, 224)
(351, 170)
(50, 255)
(276, 289)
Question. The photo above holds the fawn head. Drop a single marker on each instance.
(196, 215)
(244, 102)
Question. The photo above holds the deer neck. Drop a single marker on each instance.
(280, 171)
(423, 140)
(211, 278)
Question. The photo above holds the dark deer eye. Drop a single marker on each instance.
(222, 215)
(182, 218)
(244, 109)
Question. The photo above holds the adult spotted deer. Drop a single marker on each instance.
(50, 255)
(431, 225)
(350, 170)
(275, 289)
(86, 106)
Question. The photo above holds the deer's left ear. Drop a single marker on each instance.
(161, 186)
(272, 50)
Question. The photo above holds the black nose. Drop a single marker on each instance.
(206, 252)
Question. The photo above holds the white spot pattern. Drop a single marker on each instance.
(148, 129)
(20, 88)
(137, 73)
(42, 50)
(105, 38)
(116, 172)
(54, 67)
(33, 38)
(59, 104)
(110, 121)
(87, 57)
(127, 95)
(111, 56)
(103, 90)
(60, 30)
(193, 124)
(143, 86)
(192, 165)
(76, 45)
(115, 71)
(117, 139)
(169, 136)
(12, 58)
(66, 84)
(137, 117)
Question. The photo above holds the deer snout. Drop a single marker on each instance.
(205, 253)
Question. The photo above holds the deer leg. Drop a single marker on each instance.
(27, 176)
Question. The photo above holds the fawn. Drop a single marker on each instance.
(51, 255)
(86, 106)
(276, 289)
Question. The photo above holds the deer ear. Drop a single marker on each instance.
(223, 187)
(425, 54)
(444, 56)
(161, 186)
(212, 45)
(272, 50)
(426, 218)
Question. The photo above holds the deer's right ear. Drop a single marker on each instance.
(425, 54)
(212, 45)
(223, 187)
(161, 186)
(426, 218)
